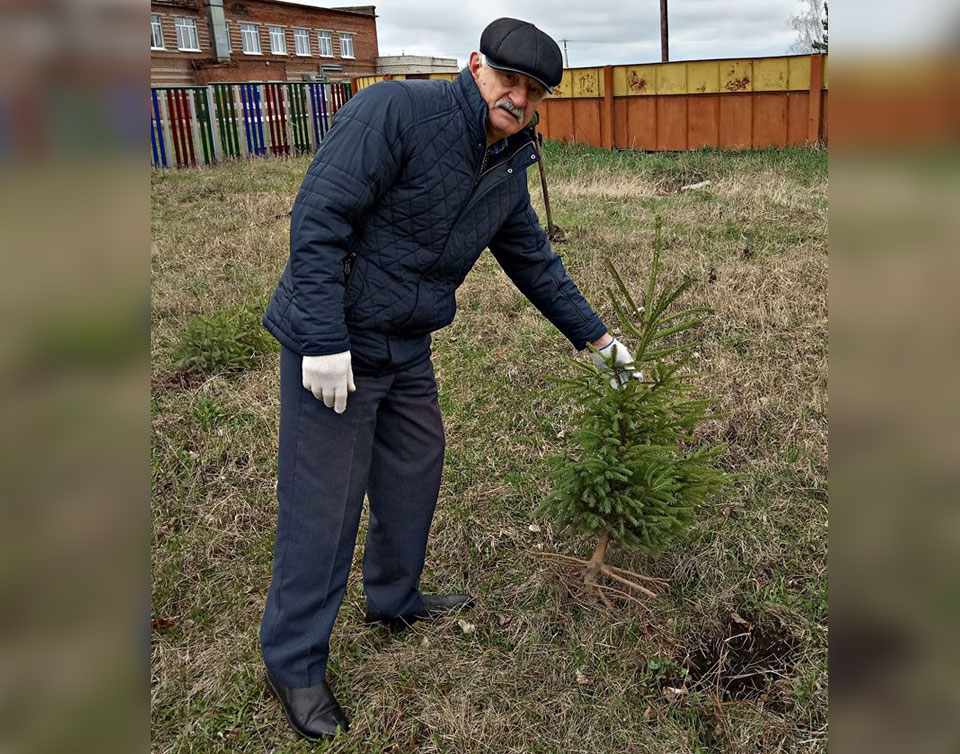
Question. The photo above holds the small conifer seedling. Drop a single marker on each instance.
(634, 473)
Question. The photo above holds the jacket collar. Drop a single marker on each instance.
(473, 105)
(476, 111)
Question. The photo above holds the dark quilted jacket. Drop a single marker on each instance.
(396, 195)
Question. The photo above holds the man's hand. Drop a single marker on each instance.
(329, 378)
(621, 358)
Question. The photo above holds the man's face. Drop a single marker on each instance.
(512, 98)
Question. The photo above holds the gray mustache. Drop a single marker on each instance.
(507, 105)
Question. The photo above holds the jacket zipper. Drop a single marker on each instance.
(348, 264)
(482, 173)
(472, 198)
(475, 197)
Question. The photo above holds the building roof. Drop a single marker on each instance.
(397, 64)
(366, 10)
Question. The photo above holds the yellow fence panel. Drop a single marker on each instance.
(703, 77)
(770, 74)
(619, 81)
(587, 82)
(799, 77)
(565, 87)
(672, 78)
(736, 76)
(634, 80)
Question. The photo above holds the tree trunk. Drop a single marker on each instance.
(596, 561)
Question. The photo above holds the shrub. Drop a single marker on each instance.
(229, 341)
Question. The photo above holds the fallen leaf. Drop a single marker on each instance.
(171, 527)
(673, 693)
(468, 628)
(162, 624)
(737, 618)
(581, 678)
(534, 528)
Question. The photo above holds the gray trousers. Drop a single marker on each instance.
(389, 444)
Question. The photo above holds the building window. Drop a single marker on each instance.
(229, 41)
(250, 37)
(301, 41)
(325, 43)
(346, 45)
(156, 33)
(187, 39)
(278, 45)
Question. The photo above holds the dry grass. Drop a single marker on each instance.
(543, 671)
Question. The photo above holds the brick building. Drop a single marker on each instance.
(200, 41)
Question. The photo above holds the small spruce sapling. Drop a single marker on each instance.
(635, 474)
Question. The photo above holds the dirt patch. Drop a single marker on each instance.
(743, 660)
(174, 382)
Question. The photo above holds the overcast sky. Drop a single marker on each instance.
(598, 31)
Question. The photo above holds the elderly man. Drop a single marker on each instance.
(413, 181)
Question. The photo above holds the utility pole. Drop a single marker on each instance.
(664, 35)
(566, 60)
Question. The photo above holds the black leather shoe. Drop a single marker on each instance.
(435, 607)
(312, 712)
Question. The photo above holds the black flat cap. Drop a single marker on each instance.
(514, 45)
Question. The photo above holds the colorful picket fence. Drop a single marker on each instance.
(200, 125)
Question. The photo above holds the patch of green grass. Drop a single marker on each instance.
(806, 166)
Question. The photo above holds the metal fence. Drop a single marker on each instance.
(200, 125)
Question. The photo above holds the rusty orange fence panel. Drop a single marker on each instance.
(739, 103)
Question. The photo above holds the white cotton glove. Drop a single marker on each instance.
(621, 357)
(329, 378)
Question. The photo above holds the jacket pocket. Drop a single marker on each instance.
(353, 286)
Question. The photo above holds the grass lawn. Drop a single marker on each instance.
(731, 658)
